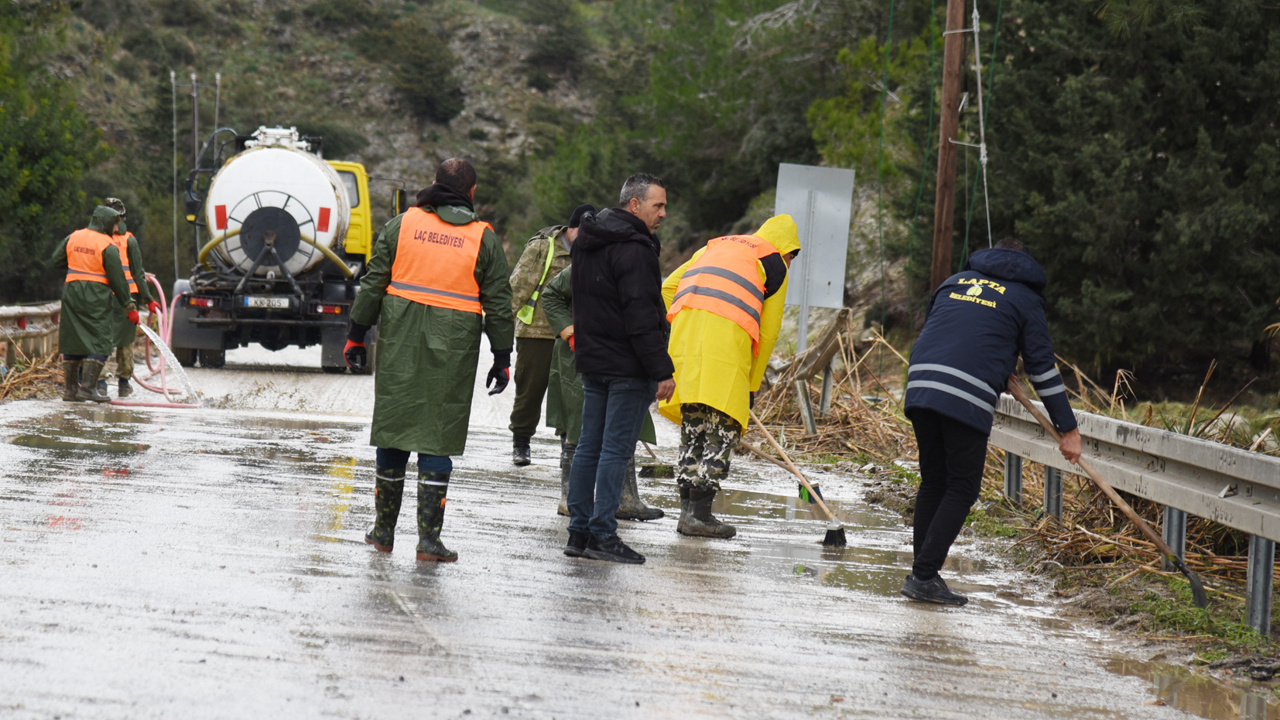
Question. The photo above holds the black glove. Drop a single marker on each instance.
(500, 373)
(356, 333)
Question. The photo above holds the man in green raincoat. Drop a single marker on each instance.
(564, 402)
(725, 306)
(94, 276)
(436, 281)
(125, 331)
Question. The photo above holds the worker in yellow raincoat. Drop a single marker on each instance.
(725, 307)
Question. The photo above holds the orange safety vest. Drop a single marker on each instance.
(725, 281)
(84, 256)
(122, 244)
(436, 262)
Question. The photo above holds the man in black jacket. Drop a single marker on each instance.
(978, 322)
(620, 338)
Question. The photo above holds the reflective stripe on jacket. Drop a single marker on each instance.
(726, 281)
(122, 244)
(436, 262)
(84, 256)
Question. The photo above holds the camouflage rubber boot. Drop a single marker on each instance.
(88, 389)
(388, 491)
(567, 451)
(71, 380)
(701, 522)
(125, 388)
(631, 506)
(432, 489)
(686, 513)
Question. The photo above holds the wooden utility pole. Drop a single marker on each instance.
(944, 207)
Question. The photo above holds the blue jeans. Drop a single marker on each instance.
(613, 411)
(398, 459)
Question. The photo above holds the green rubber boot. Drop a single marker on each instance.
(567, 451)
(631, 507)
(388, 491)
(71, 381)
(432, 489)
(88, 390)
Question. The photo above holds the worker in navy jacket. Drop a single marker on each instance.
(978, 322)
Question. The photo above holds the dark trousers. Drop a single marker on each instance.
(533, 368)
(398, 459)
(613, 411)
(952, 457)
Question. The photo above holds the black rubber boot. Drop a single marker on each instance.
(388, 491)
(934, 590)
(612, 549)
(567, 451)
(701, 522)
(631, 507)
(125, 388)
(432, 489)
(88, 389)
(520, 451)
(686, 513)
(71, 382)
(577, 543)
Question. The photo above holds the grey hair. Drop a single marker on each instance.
(637, 186)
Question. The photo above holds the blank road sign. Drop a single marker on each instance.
(820, 199)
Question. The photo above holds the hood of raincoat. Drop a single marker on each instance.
(781, 232)
(1008, 264)
(103, 219)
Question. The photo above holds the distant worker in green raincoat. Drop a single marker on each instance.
(126, 332)
(564, 402)
(436, 280)
(725, 306)
(95, 282)
(544, 256)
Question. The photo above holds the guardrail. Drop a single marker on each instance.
(1187, 475)
(33, 327)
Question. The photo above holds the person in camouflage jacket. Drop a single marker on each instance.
(534, 339)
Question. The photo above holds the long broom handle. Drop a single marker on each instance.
(1197, 588)
(792, 467)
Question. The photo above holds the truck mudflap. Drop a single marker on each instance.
(187, 335)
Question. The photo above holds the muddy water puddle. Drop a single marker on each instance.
(1204, 696)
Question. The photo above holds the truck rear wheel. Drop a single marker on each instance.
(186, 356)
(213, 358)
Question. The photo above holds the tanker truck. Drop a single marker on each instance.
(282, 239)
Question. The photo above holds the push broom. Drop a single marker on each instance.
(1197, 588)
(835, 536)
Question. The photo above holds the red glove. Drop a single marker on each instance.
(356, 355)
(153, 307)
(571, 344)
(133, 316)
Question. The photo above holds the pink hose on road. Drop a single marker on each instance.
(165, 326)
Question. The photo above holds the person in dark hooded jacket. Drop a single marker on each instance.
(978, 323)
(620, 343)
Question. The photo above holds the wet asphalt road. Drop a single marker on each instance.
(210, 564)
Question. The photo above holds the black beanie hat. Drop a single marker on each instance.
(576, 218)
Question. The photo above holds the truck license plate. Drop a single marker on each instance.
(253, 301)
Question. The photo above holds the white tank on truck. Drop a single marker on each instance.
(282, 237)
(276, 204)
